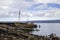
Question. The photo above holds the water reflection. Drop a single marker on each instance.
(47, 28)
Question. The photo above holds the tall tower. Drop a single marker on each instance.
(19, 16)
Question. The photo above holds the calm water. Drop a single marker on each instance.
(48, 28)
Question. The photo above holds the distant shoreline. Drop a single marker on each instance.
(35, 21)
(47, 21)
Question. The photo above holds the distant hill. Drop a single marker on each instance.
(46, 21)
(35, 21)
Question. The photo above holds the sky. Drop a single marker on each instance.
(29, 9)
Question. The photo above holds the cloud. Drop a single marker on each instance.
(33, 9)
(29, 0)
(8, 19)
(53, 14)
(48, 1)
(5, 2)
(43, 6)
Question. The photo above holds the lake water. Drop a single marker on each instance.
(47, 28)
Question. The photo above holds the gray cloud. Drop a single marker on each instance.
(10, 8)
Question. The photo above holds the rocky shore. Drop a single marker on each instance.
(22, 32)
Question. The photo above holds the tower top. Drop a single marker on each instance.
(19, 16)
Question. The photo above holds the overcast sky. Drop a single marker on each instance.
(30, 9)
